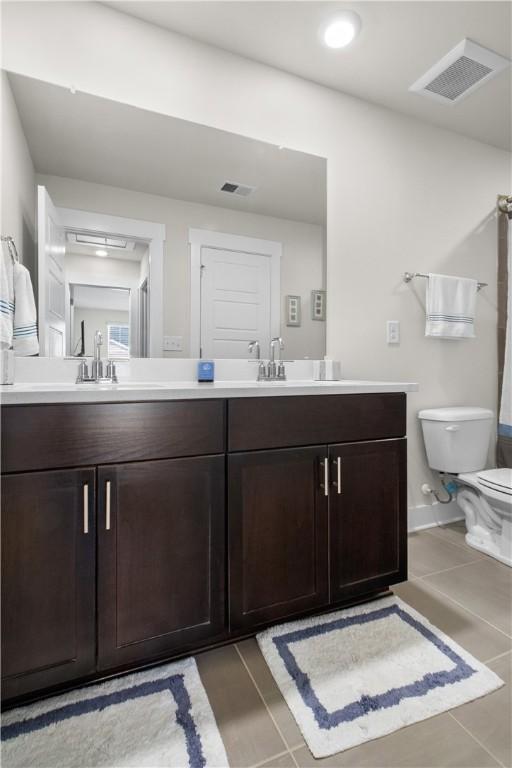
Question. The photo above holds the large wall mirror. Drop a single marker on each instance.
(173, 239)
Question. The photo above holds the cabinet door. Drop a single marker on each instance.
(160, 557)
(48, 579)
(277, 515)
(368, 516)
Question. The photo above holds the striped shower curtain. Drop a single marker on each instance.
(504, 447)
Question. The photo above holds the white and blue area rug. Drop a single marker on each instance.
(160, 717)
(364, 672)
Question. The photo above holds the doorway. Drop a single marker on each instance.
(109, 252)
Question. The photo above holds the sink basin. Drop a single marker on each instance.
(88, 385)
(274, 383)
(131, 385)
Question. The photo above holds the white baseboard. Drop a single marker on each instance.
(431, 515)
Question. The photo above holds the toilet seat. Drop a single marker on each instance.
(493, 484)
(499, 480)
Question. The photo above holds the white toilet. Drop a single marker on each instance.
(456, 440)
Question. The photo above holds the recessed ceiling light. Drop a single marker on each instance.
(101, 253)
(341, 30)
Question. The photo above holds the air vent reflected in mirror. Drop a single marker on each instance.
(232, 188)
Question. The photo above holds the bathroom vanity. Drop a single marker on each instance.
(139, 531)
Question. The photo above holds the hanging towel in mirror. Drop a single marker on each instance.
(451, 307)
(25, 341)
(6, 298)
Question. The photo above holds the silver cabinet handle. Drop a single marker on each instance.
(107, 505)
(325, 484)
(338, 475)
(86, 507)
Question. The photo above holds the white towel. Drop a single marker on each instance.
(451, 307)
(25, 339)
(6, 298)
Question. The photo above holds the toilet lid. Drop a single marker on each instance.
(497, 479)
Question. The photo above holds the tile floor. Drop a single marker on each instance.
(466, 594)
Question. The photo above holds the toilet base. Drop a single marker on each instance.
(488, 530)
(488, 549)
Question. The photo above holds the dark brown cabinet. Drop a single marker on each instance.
(277, 535)
(48, 579)
(160, 557)
(147, 530)
(293, 547)
(367, 516)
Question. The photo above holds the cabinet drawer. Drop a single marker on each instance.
(280, 422)
(54, 436)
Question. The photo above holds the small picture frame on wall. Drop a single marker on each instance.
(318, 301)
(293, 311)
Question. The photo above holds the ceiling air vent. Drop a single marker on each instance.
(243, 190)
(464, 69)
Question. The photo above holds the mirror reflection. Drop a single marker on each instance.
(172, 239)
(106, 283)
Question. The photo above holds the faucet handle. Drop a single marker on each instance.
(111, 371)
(83, 371)
(262, 371)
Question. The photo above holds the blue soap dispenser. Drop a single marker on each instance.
(205, 371)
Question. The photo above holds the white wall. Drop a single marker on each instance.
(302, 263)
(18, 182)
(402, 195)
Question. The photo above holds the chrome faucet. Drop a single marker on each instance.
(274, 370)
(254, 345)
(278, 340)
(97, 366)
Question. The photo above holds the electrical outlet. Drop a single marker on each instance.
(393, 332)
(173, 343)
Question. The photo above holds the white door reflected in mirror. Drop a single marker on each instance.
(239, 292)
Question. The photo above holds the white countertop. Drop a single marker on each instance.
(59, 392)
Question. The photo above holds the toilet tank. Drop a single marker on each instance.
(456, 439)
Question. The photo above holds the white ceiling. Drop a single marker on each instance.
(398, 43)
(85, 137)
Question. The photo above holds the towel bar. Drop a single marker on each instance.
(408, 276)
(11, 247)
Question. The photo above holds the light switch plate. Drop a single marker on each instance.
(393, 332)
(293, 311)
(318, 305)
(173, 343)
